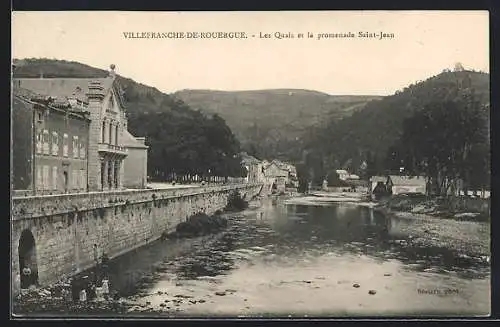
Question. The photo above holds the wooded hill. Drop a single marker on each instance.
(371, 131)
(275, 122)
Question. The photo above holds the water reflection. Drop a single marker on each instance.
(329, 241)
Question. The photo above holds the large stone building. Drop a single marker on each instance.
(49, 144)
(108, 122)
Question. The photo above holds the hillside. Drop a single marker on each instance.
(372, 130)
(181, 140)
(274, 121)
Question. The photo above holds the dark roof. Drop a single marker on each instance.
(46, 101)
(248, 159)
(63, 88)
(376, 179)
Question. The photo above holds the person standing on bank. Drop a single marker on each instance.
(27, 277)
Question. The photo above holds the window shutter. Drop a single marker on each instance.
(65, 145)
(54, 177)
(46, 142)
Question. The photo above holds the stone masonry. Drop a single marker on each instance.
(67, 227)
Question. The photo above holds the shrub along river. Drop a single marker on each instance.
(290, 259)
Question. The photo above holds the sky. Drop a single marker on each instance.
(423, 44)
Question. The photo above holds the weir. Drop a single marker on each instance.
(57, 236)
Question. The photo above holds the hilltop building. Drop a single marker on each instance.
(108, 141)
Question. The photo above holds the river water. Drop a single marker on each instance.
(297, 260)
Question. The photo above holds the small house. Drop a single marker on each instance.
(343, 174)
(406, 184)
(277, 175)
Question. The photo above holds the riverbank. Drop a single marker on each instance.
(443, 222)
(280, 261)
(457, 207)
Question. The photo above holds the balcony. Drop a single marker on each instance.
(112, 149)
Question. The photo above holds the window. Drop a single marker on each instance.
(55, 144)
(65, 145)
(74, 179)
(39, 178)
(83, 183)
(45, 141)
(46, 180)
(82, 150)
(110, 174)
(54, 177)
(116, 174)
(116, 135)
(110, 140)
(75, 146)
(103, 174)
(39, 146)
(103, 132)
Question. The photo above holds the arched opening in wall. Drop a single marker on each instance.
(27, 259)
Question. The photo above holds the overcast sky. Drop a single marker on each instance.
(424, 44)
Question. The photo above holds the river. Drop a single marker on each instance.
(298, 260)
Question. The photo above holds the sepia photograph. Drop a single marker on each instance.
(260, 164)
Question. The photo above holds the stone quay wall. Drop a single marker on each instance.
(68, 229)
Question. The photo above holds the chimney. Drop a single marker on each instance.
(96, 91)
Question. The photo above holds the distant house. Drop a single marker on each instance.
(406, 184)
(277, 175)
(396, 184)
(343, 174)
(376, 180)
(254, 169)
(353, 177)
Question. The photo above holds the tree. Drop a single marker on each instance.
(445, 141)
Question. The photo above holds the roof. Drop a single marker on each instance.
(47, 101)
(248, 159)
(129, 141)
(62, 87)
(407, 180)
(341, 171)
(277, 166)
(376, 179)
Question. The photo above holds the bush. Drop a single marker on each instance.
(200, 224)
(235, 202)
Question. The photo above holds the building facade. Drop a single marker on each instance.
(108, 122)
(49, 144)
(277, 175)
(136, 163)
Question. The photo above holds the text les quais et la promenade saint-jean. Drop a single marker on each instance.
(323, 36)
